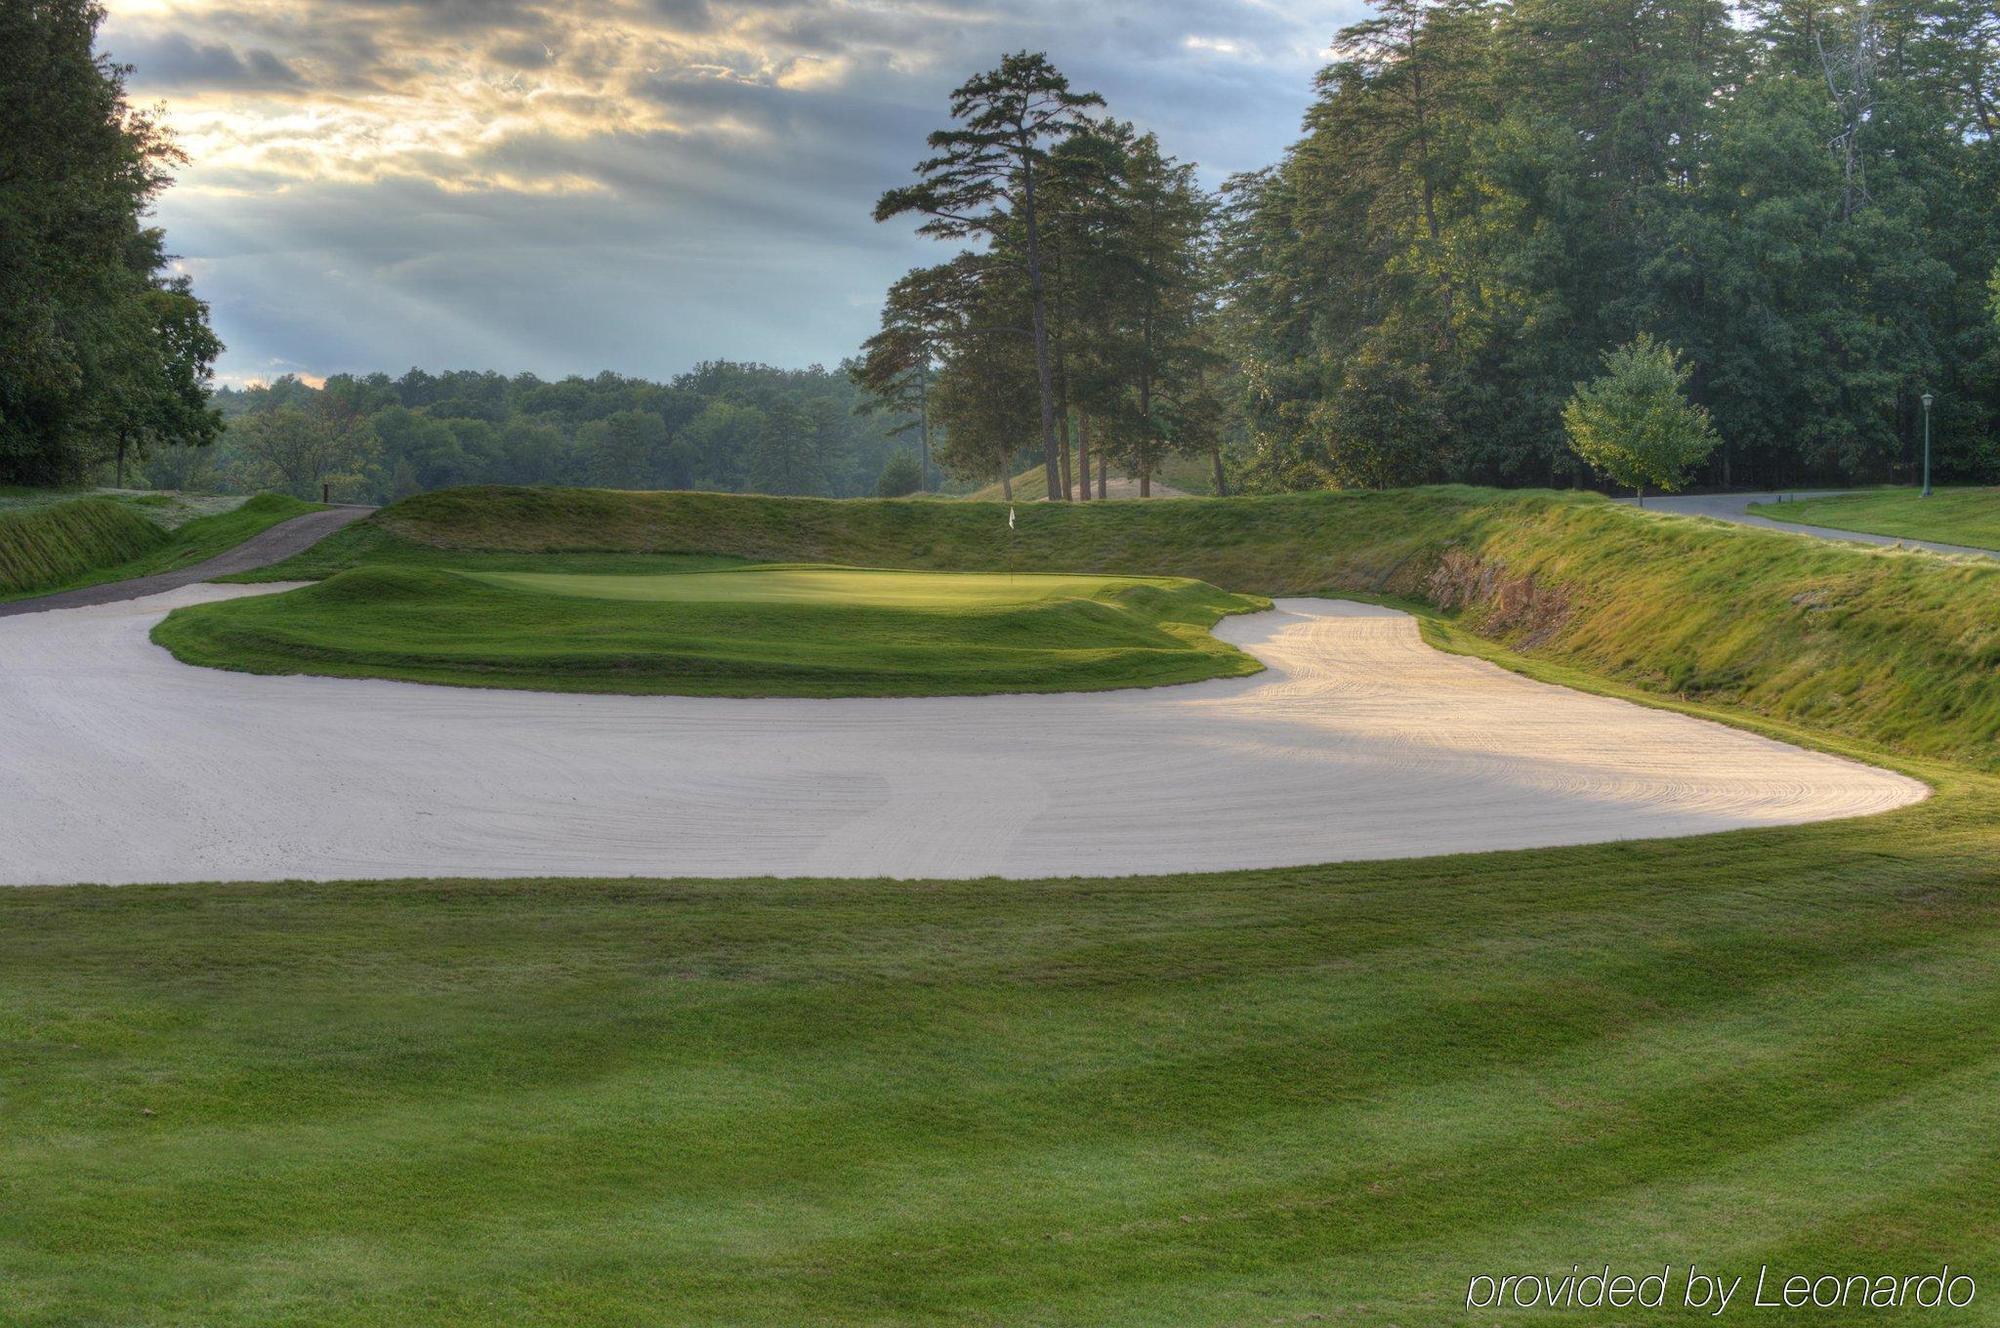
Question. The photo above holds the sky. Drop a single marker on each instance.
(634, 185)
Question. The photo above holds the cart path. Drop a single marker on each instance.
(260, 550)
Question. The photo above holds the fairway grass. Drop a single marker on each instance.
(778, 631)
(1285, 1096)
(1966, 517)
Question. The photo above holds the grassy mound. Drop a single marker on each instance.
(1893, 648)
(1968, 517)
(93, 540)
(49, 547)
(783, 631)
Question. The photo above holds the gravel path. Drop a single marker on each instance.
(271, 546)
(1359, 741)
(1736, 507)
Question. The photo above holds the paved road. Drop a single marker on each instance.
(272, 546)
(1358, 741)
(1735, 507)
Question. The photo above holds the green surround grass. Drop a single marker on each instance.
(1899, 649)
(1968, 517)
(779, 631)
(1316, 1095)
(90, 541)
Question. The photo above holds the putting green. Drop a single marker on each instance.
(769, 631)
(852, 586)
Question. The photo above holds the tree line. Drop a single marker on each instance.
(1787, 206)
(105, 351)
(1781, 215)
(1798, 196)
(722, 426)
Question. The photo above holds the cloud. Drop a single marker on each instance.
(172, 60)
(633, 184)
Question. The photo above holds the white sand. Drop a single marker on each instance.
(119, 764)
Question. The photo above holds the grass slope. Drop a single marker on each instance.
(48, 547)
(1968, 517)
(1896, 648)
(89, 541)
(783, 631)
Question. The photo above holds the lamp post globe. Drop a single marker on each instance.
(1928, 398)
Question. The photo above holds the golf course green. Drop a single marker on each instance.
(750, 631)
(1968, 517)
(1328, 1094)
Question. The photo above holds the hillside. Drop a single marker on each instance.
(43, 548)
(1894, 648)
(88, 541)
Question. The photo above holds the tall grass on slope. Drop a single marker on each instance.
(48, 547)
(1898, 649)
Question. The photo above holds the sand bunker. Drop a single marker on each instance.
(119, 764)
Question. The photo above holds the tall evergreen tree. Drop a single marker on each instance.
(984, 180)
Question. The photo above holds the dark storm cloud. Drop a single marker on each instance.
(632, 184)
(175, 61)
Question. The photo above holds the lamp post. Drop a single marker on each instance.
(1928, 398)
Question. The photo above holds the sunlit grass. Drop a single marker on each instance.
(779, 631)
(1967, 517)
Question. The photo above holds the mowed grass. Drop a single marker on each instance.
(778, 631)
(1318, 1095)
(1968, 517)
(88, 541)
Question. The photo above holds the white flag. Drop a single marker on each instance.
(1010, 518)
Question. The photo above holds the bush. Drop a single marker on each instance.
(900, 478)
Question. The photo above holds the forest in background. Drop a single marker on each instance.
(1796, 201)
(1792, 200)
(721, 426)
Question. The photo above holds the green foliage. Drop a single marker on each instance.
(1486, 195)
(1633, 423)
(379, 439)
(307, 452)
(786, 631)
(784, 461)
(103, 354)
(983, 183)
(902, 476)
(1893, 648)
(48, 547)
(1100, 311)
